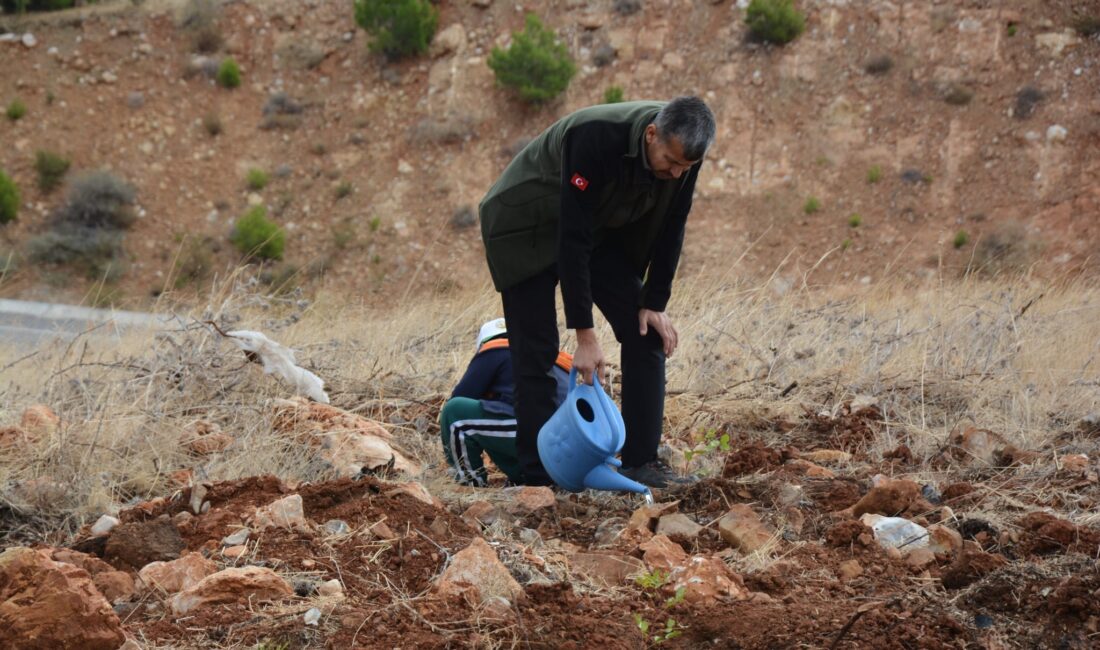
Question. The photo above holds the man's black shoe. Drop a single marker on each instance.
(655, 474)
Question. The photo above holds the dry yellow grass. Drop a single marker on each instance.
(1016, 357)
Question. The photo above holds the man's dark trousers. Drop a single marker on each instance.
(529, 310)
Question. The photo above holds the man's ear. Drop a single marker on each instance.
(650, 133)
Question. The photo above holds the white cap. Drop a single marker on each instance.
(493, 328)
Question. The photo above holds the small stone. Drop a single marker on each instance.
(255, 199)
(528, 499)
(404, 167)
(116, 586)
(244, 584)
(920, 558)
(849, 570)
(662, 553)
(478, 572)
(336, 527)
(136, 544)
(481, 512)
(237, 538)
(29, 40)
(678, 524)
(135, 100)
(283, 513)
(742, 529)
(331, 588)
(108, 77)
(612, 569)
(177, 575)
(235, 551)
(104, 524)
(1056, 133)
(312, 616)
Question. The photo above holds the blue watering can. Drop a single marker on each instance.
(577, 445)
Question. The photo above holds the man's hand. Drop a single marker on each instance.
(659, 321)
(589, 356)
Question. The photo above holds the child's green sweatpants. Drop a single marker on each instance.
(468, 430)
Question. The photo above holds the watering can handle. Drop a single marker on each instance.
(573, 379)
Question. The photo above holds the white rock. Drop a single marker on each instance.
(104, 524)
(404, 167)
(237, 538)
(331, 588)
(29, 40)
(1057, 133)
(312, 616)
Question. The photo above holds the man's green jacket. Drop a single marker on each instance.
(582, 181)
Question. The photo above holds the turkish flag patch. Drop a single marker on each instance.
(579, 182)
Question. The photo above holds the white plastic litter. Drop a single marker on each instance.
(279, 360)
(313, 616)
(897, 532)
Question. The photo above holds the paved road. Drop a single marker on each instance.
(31, 324)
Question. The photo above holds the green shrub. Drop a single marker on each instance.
(51, 168)
(536, 65)
(399, 27)
(812, 205)
(1011, 30)
(257, 235)
(855, 221)
(344, 190)
(9, 199)
(229, 74)
(775, 21)
(613, 95)
(874, 174)
(16, 109)
(846, 244)
(961, 239)
(257, 179)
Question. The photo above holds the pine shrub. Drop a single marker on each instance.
(9, 199)
(400, 28)
(229, 74)
(16, 109)
(775, 21)
(256, 235)
(536, 65)
(51, 168)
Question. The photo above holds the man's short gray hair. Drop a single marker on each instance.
(690, 121)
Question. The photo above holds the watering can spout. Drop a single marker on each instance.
(602, 477)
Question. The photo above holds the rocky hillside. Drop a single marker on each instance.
(891, 138)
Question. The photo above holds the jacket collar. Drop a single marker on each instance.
(636, 131)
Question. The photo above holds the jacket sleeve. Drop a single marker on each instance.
(478, 378)
(666, 252)
(589, 160)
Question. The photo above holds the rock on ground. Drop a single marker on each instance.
(612, 569)
(476, 572)
(177, 575)
(287, 512)
(743, 530)
(133, 545)
(48, 605)
(249, 584)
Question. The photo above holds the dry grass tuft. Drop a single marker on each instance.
(1012, 356)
